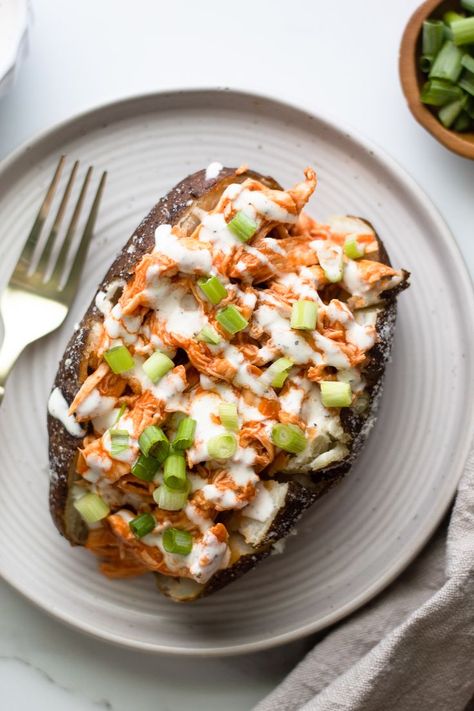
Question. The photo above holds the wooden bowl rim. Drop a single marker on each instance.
(409, 80)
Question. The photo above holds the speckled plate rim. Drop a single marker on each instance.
(73, 127)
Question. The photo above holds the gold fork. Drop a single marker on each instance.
(36, 300)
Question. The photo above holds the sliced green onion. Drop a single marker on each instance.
(468, 62)
(433, 35)
(92, 508)
(228, 416)
(466, 82)
(154, 443)
(185, 434)
(438, 92)
(451, 16)
(119, 359)
(177, 541)
(447, 64)
(335, 394)
(213, 289)
(304, 315)
(468, 5)
(352, 248)
(174, 472)
(425, 62)
(209, 335)
(462, 122)
(145, 468)
(170, 499)
(142, 524)
(449, 113)
(242, 226)
(157, 365)
(470, 107)
(119, 441)
(231, 319)
(290, 438)
(463, 30)
(278, 371)
(123, 407)
(222, 446)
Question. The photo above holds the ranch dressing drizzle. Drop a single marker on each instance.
(58, 408)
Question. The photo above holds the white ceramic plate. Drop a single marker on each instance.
(14, 18)
(361, 535)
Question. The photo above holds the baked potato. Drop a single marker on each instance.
(224, 378)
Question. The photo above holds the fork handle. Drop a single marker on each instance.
(9, 352)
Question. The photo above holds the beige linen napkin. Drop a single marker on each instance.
(413, 647)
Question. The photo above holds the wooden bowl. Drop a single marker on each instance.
(412, 79)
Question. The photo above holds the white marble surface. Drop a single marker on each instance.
(338, 58)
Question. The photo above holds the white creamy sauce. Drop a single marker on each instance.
(272, 244)
(103, 422)
(189, 261)
(256, 202)
(243, 377)
(213, 170)
(262, 507)
(214, 229)
(291, 401)
(103, 299)
(242, 473)
(128, 455)
(95, 405)
(332, 354)
(316, 415)
(98, 463)
(195, 517)
(330, 258)
(58, 408)
(362, 337)
(352, 280)
(207, 557)
(287, 340)
(297, 284)
(176, 309)
(203, 408)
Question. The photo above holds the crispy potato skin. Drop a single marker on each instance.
(72, 372)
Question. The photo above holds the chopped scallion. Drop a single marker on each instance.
(185, 434)
(335, 393)
(177, 541)
(278, 372)
(451, 16)
(228, 416)
(242, 226)
(222, 446)
(174, 472)
(468, 62)
(145, 468)
(142, 524)
(154, 443)
(468, 5)
(209, 335)
(290, 438)
(231, 319)
(466, 82)
(304, 315)
(449, 113)
(213, 289)
(462, 122)
(119, 440)
(438, 92)
(119, 359)
(463, 30)
(352, 248)
(425, 63)
(157, 365)
(170, 499)
(447, 64)
(92, 508)
(432, 38)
